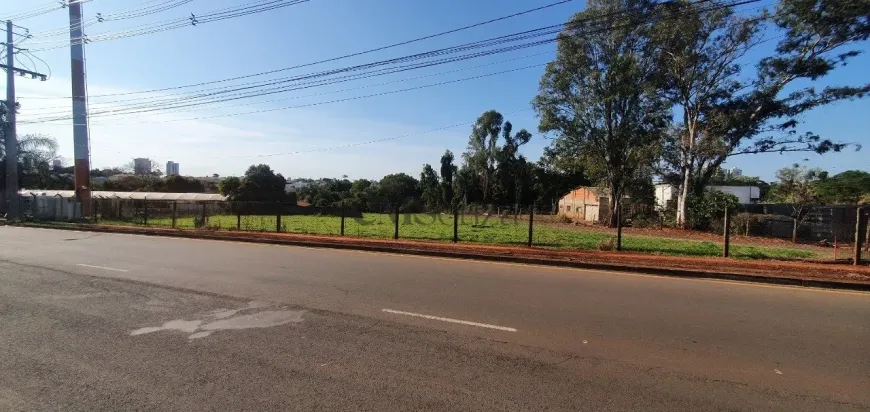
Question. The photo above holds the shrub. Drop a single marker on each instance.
(748, 224)
(705, 210)
(646, 220)
(563, 219)
(607, 244)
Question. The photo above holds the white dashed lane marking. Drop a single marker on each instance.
(102, 267)
(449, 320)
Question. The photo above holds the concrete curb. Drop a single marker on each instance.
(657, 271)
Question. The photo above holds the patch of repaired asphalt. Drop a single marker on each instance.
(254, 315)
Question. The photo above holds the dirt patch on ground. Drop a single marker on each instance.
(683, 266)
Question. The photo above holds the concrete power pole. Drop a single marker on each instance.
(11, 138)
(81, 144)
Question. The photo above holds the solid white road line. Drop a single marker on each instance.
(439, 318)
(102, 267)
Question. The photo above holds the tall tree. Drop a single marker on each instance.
(762, 114)
(512, 179)
(261, 183)
(398, 188)
(599, 96)
(430, 189)
(698, 57)
(482, 150)
(35, 152)
(465, 185)
(448, 169)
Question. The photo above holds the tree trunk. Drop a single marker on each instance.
(615, 202)
(682, 200)
(794, 231)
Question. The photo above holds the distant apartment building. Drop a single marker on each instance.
(56, 164)
(172, 168)
(141, 166)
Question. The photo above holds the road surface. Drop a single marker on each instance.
(108, 322)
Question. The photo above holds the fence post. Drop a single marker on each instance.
(727, 223)
(93, 208)
(238, 219)
(120, 210)
(204, 216)
(145, 216)
(859, 232)
(867, 238)
(396, 233)
(531, 223)
(455, 224)
(342, 217)
(619, 227)
(278, 219)
(174, 213)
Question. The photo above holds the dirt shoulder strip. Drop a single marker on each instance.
(810, 274)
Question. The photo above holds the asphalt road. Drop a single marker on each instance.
(92, 322)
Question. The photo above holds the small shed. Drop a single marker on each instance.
(584, 203)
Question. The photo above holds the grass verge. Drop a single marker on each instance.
(475, 229)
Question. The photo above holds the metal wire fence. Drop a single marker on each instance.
(514, 225)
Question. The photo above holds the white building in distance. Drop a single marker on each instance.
(172, 168)
(745, 194)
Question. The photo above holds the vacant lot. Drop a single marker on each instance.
(488, 230)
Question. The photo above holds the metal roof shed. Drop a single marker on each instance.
(156, 196)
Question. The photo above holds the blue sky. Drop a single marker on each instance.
(322, 29)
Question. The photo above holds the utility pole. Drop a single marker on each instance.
(10, 137)
(81, 144)
(9, 132)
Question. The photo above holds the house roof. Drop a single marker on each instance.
(128, 195)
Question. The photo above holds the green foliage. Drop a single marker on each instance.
(183, 184)
(480, 157)
(600, 98)
(848, 187)
(448, 170)
(705, 210)
(397, 188)
(430, 188)
(134, 183)
(798, 185)
(260, 183)
(229, 186)
(494, 171)
(553, 178)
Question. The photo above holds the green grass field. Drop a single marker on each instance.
(493, 230)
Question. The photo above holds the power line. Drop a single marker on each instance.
(349, 98)
(368, 142)
(171, 104)
(193, 20)
(406, 42)
(161, 106)
(39, 11)
(307, 85)
(141, 11)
